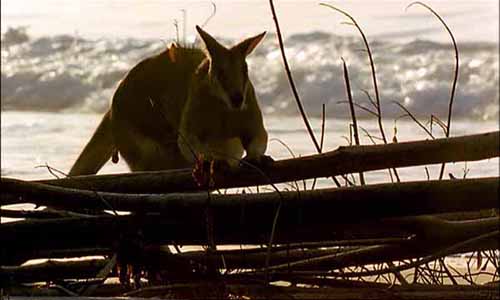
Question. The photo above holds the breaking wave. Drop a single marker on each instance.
(68, 73)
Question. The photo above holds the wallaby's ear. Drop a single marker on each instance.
(213, 47)
(246, 47)
(172, 52)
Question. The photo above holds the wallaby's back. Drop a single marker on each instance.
(144, 117)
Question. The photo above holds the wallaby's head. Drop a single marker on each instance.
(228, 70)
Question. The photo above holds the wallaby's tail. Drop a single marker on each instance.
(97, 151)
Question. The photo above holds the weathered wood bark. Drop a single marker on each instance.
(341, 161)
(341, 204)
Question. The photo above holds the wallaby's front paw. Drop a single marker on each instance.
(262, 161)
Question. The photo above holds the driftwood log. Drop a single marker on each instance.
(344, 160)
(330, 205)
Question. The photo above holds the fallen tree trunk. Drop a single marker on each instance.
(298, 208)
(344, 160)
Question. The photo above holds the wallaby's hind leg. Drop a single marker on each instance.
(97, 151)
(145, 153)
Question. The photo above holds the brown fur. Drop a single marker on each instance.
(171, 105)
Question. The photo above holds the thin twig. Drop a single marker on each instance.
(323, 122)
(360, 106)
(353, 114)
(432, 257)
(322, 136)
(291, 153)
(176, 25)
(369, 98)
(292, 84)
(374, 77)
(371, 137)
(214, 11)
(53, 171)
(448, 273)
(414, 119)
(435, 119)
(455, 77)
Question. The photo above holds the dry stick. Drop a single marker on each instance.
(51, 171)
(414, 119)
(448, 273)
(328, 244)
(369, 98)
(292, 84)
(435, 119)
(361, 107)
(276, 214)
(291, 153)
(368, 135)
(374, 77)
(214, 12)
(103, 275)
(304, 118)
(441, 253)
(438, 254)
(176, 25)
(356, 140)
(455, 78)
(322, 137)
(209, 221)
(353, 114)
(323, 122)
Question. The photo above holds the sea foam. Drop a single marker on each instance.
(68, 73)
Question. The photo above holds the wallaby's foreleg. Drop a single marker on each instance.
(97, 151)
(255, 145)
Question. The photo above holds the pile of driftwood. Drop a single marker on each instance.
(335, 243)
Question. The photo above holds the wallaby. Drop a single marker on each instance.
(181, 104)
